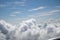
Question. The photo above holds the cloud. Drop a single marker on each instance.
(49, 13)
(13, 5)
(15, 13)
(1, 5)
(30, 30)
(45, 14)
(5, 27)
(12, 15)
(2, 36)
(58, 7)
(17, 3)
(52, 12)
(38, 8)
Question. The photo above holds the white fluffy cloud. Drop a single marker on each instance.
(5, 27)
(30, 30)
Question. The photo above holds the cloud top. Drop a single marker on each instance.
(30, 30)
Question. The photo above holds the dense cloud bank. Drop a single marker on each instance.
(29, 30)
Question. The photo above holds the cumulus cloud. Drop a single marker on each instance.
(5, 27)
(29, 30)
(2, 36)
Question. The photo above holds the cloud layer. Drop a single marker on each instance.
(29, 30)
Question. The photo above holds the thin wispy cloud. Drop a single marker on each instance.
(57, 6)
(15, 13)
(54, 11)
(50, 13)
(38, 8)
(2, 5)
(12, 15)
(17, 3)
(12, 4)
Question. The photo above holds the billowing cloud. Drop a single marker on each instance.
(30, 30)
(2, 36)
(5, 27)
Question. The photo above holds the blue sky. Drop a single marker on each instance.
(11, 10)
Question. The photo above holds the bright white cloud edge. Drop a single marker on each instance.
(29, 29)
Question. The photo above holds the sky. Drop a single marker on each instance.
(29, 19)
(17, 10)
